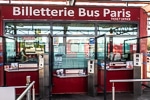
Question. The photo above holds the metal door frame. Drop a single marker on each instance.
(96, 57)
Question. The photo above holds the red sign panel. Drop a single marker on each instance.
(70, 13)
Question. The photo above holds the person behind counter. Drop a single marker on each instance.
(23, 55)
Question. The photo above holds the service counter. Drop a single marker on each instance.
(74, 82)
(70, 75)
(1, 76)
(16, 76)
(116, 73)
(69, 83)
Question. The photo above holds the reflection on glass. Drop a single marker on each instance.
(74, 42)
(10, 50)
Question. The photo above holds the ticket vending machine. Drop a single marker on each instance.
(92, 77)
(43, 75)
(137, 59)
(148, 66)
(137, 73)
(41, 61)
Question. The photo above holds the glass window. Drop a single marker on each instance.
(74, 54)
(101, 48)
(1, 51)
(73, 29)
(116, 34)
(117, 29)
(73, 42)
(27, 28)
(10, 50)
(25, 38)
(81, 29)
(58, 29)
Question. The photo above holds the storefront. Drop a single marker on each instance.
(65, 38)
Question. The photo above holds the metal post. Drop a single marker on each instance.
(105, 75)
(113, 91)
(29, 91)
(33, 93)
(25, 91)
(29, 94)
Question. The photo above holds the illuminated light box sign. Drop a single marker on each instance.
(71, 13)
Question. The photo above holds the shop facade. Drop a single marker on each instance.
(67, 35)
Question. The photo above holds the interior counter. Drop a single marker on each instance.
(70, 75)
(117, 69)
(71, 82)
(20, 70)
(17, 77)
(116, 73)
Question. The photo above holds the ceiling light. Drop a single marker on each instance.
(39, 2)
(109, 4)
(4, 1)
(100, 4)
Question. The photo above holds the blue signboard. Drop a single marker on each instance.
(92, 41)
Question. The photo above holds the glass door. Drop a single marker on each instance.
(101, 57)
(72, 45)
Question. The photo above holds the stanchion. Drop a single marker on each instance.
(29, 91)
(33, 93)
(113, 91)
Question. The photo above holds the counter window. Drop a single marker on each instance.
(10, 50)
(120, 41)
(73, 42)
(25, 35)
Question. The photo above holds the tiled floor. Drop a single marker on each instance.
(119, 96)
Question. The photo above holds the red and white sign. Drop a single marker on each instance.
(70, 13)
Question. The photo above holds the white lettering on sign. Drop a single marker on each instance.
(113, 13)
(29, 11)
(107, 13)
(127, 19)
(90, 13)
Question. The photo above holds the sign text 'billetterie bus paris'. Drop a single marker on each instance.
(121, 14)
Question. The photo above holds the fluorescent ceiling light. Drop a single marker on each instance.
(38, 2)
(76, 3)
(135, 0)
(137, 5)
(100, 4)
(110, 4)
(4, 1)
